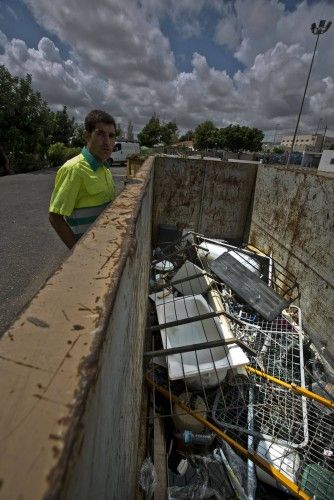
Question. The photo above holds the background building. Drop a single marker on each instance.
(307, 142)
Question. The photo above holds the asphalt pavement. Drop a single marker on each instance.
(30, 250)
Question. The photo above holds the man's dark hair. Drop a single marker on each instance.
(97, 116)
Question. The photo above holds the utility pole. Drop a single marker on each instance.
(316, 133)
(323, 139)
(277, 125)
(316, 30)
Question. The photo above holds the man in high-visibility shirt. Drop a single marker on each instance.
(84, 185)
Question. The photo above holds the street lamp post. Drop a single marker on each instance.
(277, 125)
(316, 30)
(316, 133)
(323, 139)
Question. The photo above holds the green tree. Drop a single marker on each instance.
(238, 138)
(119, 131)
(205, 135)
(150, 135)
(129, 135)
(77, 139)
(24, 122)
(253, 139)
(59, 153)
(62, 127)
(168, 133)
(188, 136)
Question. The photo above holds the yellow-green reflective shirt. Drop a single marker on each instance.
(82, 190)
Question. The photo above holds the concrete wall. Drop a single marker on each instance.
(293, 216)
(211, 197)
(327, 161)
(71, 365)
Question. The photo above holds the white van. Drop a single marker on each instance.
(122, 150)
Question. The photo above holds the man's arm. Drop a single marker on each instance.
(62, 229)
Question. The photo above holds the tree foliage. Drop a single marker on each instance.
(241, 138)
(150, 135)
(62, 127)
(155, 132)
(77, 140)
(278, 150)
(129, 133)
(168, 133)
(28, 126)
(24, 121)
(205, 136)
(119, 131)
(188, 136)
(232, 138)
(58, 154)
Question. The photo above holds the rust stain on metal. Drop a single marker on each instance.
(55, 437)
(56, 451)
(85, 308)
(43, 398)
(121, 218)
(20, 363)
(65, 315)
(88, 367)
(111, 255)
(38, 322)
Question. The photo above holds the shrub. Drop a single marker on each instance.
(58, 154)
(26, 162)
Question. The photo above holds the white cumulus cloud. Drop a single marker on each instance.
(120, 60)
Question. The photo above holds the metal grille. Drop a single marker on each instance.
(210, 346)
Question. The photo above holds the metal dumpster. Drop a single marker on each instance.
(71, 364)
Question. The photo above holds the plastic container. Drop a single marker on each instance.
(282, 457)
(207, 367)
(188, 437)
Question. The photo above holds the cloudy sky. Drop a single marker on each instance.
(229, 61)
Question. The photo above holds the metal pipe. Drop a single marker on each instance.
(323, 139)
(157, 288)
(302, 103)
(238, 489)
(251, 476)
(277, 125)
(257, 459)
(293, 387)
(184, 321)
(170, 324)
(198, 347)
(316, 30)
(316, 133)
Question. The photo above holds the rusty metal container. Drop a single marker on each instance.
(133, 164)
(71, 365)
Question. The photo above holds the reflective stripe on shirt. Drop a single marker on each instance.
(82, 218)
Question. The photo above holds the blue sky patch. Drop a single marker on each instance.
(16, 21)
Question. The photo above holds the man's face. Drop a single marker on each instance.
(101, 141)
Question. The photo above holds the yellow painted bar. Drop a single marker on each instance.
(257, 459)
(293, 387)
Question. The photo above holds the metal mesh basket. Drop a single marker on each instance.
(209, 344)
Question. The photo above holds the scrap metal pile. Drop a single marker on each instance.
(231, 373)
